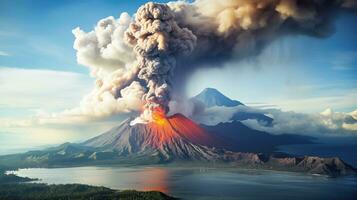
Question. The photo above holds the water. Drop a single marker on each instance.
(201, 183)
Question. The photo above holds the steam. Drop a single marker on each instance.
(112, 62)
(139, 63)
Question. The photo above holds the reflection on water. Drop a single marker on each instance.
(145, 178)
(152, 179)
(199, 183)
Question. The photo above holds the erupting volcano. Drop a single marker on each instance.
(170, 138)
(177, 138)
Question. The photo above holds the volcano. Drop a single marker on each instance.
(171, 138)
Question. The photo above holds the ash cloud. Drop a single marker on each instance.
(146, 58)
(157, 39)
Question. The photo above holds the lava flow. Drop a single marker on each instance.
(178, 126)
(159, 117)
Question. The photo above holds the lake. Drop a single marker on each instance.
(202, 183)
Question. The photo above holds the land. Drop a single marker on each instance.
(72, 155)
(13, 187)
(32, 191)
(178, 139)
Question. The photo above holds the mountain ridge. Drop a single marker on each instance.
(177, 138)
(141, 144)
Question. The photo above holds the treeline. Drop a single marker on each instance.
(32, 191)
(13, 187)
(11, 178)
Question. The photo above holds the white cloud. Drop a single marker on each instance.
(37, 97)
(39, 89)
(347, 99)
(27, 95)
(3, 53)
(112, 62)
(354, 114)
(327, 122)
(32, 135)
(103, 50)
(216, 114)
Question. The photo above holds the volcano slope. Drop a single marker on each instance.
(173, 139)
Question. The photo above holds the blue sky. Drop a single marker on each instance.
(38, 33)
(293, 69)
(296, 73)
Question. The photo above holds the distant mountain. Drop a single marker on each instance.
(212, 97)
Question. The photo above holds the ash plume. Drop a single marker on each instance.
(157, 39)
(146, 58)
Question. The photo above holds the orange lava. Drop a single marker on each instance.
(154, 179)
(190, 130)
(177, 126)
(159, 117)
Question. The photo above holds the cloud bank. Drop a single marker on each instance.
(3, 53)
(325, 123)
(22, 88)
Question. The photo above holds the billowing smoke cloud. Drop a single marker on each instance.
(112, 63)
(157, 40)
(147, 58)
(104, 49)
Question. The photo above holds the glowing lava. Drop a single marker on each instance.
(168, 133)
(166, 129)
(165, 137)
(159, 117)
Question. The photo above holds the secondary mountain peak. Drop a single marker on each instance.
(212, 97)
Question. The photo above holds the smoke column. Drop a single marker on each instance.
(157, 39)
(140, 62)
